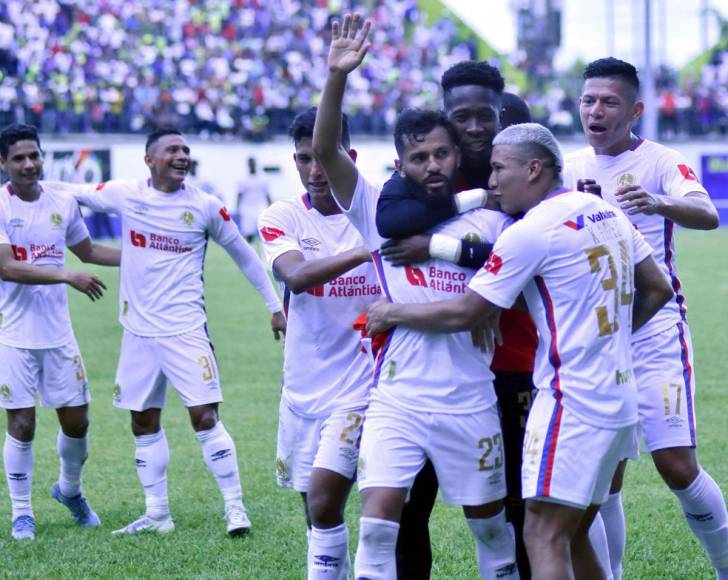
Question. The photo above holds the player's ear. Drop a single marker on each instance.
(148, 161)
(398, 167)
(637, 109)
(535, 168)
(353, 153)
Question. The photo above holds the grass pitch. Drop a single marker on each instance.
(659, 543)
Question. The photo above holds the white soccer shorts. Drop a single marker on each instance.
(665, 379)
(330, 442)
(566, 460)
(56, 375)
(147, 364)
(465, 449)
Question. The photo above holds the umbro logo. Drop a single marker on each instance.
(140, 463)
(311, 244)
(222, 454)
(324, 561)
(18, 476)
(575, 225)
(16, 223)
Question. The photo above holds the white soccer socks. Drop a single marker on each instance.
(152, 459)
(600, 544)
(375, 558)
(705, 511)
(18, 458)
(73, 453)
(221, 458)
(612, 512)
(328, 553)
(496, 546)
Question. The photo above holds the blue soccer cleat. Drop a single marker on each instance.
(78, 506)
(24, 528)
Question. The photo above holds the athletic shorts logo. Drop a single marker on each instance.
(282, 471)
(138, 240)
(415, 276)
(493, 264)
(20, 253)
(575, 225)
(116, 393)
(687, 172)
(224, 213)
(5, 392)
(269, 234)
(187, 218)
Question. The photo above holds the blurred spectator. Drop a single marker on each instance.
(253, 198)
(242, 67)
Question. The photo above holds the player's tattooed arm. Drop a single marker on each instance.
(652, 291)
(300, 274)
(454, 315)
(92, 253)
(12, 270)
(695, 210)
(347, 51)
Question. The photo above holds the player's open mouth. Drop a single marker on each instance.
(597, 129)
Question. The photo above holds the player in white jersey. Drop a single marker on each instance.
(165, 229)
(433, 395)
(573, 257)
(330, 280)
(657, 189)
(38, 350)
(253, 198)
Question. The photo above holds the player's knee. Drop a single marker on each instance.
(539, 533)
(203, 418)
(21, 426)
(324, 509)
(680, 474)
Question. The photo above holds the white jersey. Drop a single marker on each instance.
(324, 367)
(573, 257)
(36, 316)
(429, 371)
(164, 238)
(658, 170)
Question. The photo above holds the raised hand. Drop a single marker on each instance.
(348, 46)
(89, 284)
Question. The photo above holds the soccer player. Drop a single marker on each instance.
(253, 198)
(433, 395)
(476, 105)
(657, 189)
(576, 260)
(330, 280)
(166, 225)
(38, 350)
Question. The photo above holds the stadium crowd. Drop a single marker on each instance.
(243, 67)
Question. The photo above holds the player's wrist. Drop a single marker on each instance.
(445, 248)
(471, 199)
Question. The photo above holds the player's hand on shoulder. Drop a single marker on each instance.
(589, 186)
(633, 199)
(412, 250)
(278, 324)
(89, 284)
(348, 43)
(379, 317)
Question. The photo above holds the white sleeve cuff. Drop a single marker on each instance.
(445, 248)
(470, 199)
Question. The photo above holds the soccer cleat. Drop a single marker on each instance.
(237, 520)
(78, 506)
(147, 524)
(24, 528)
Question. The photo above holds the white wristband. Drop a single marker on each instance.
(470, 199)
(445, 248)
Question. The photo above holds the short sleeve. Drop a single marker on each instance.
(363, 211)
(277, 228)
(77, 230)
(517, 256)
(640, 246)
(677, 176)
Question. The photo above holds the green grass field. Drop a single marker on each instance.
(659, 544)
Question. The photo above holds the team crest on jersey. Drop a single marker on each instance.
(626, 179)
(116, 393)
(282, 471)
(57, 220)
(5, 392)
(187, 218)
(472, 237)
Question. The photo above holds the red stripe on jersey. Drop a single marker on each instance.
(269, 234)
(687, 172)
(225, 215)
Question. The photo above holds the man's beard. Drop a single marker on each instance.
(420, 191)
